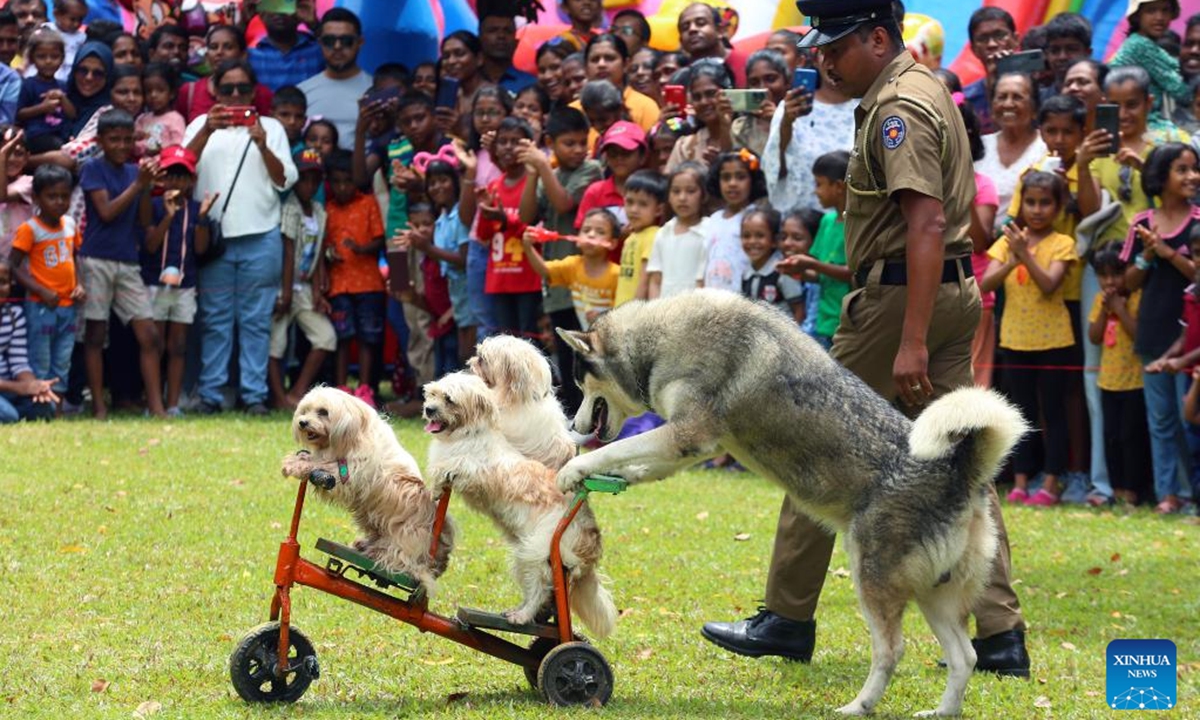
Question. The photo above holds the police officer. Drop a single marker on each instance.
(907, 325)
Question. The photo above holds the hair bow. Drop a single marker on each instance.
(445, 154)
(958, 98)
(749, 158)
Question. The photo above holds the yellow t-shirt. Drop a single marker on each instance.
(1120, 368)
(1033, 320)
(589, 294)
(1065, 223)
(634, 254)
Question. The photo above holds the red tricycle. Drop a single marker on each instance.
(275, 662)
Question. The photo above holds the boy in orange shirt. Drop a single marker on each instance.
(43, 261)
(357, 295)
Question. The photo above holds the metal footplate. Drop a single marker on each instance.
(496, 621)
(345, 557)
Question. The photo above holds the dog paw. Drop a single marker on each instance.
(519, 616)
(571, 477)
(854, 709)
(298, 465)
(362, 545)
(937, 713)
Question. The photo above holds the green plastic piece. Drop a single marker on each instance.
(358, 560)
(605, 484)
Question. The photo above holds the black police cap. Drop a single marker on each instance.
(832, 20)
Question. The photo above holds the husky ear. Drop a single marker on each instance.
(580, 342)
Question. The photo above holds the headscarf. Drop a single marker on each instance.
(85, 107)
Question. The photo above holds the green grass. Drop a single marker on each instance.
(136, 553)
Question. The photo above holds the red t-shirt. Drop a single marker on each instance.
(437, 297)
(202, 100)
(507, 270)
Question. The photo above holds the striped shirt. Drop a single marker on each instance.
(14, 358)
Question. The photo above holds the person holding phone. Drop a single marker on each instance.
(993, 34)
(765, 70)
(249, 166)
(907, 326)
(223, 43)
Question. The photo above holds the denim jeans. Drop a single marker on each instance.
(1091, 391)
(14, 408)
(51, 333)
(481, 302)
(1164, 414)
(237, 294)
(445, 353)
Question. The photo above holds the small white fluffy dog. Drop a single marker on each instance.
(530, 415)
(382, 487)
(471, 454)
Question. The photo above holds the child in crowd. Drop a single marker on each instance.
(645, 205)
(514, 287)
(68, 21)
(176, 231)
(43, 107)
(761, 280)
(449, 247)
(553, 196)
(425, 79)
(574, 75)
(300, 302)
(290, 107)
(590, 275)
(1031, 262)
(353, 240)
(1161, 266)
(796, 234)
(623, 149)
(16, 195)
(435, 295)
(43, 261)
(1149, 21)
(662, 139)
(1112, 326)
(22, 395)
(160, 125)
(112, 188)
(678, 258)
(322, 136)
(827, 263)
(532, 105)
(737, 179)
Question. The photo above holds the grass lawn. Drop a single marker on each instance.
(136, 553)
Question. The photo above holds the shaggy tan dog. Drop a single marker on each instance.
(471, 454)
(380, 483)
(530, 416)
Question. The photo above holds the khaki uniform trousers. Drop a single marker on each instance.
(866, 344)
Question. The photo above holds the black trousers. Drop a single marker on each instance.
(568, 393)
(517, 313)
(1127, 442)
(1040, 393)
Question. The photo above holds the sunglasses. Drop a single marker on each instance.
(91, 72)
(1125, 183)
(235, 88)
(333, 41)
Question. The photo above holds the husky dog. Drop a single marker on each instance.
(470, 453)
(733, 376)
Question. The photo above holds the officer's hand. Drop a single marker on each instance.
(910, 372)
(796, 104)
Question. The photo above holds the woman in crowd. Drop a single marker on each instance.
(223, 43)
(606, 57)
(1017, 145)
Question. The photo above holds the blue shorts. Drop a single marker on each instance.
(460, 301)
(359, 315)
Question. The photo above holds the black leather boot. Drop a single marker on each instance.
(1003, 653)
(765, 634)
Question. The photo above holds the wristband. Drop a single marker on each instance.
(1141, 263)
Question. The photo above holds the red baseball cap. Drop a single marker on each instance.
(624, 134)
(177, 155)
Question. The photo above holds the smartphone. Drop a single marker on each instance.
(746, 100)
(806, 78)
(399, 279)
(447, 94)
(1025, 63)
(675, 95)
(1107, 118)
(242, 115)
(378, 96)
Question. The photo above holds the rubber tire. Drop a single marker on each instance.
(252, 664)
(539, 646)
(575, 673)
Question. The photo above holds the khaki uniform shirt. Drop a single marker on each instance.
(910, 136)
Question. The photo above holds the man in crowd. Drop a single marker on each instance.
(498, 37)
(285, 56)
(334, 92)
(993, 34)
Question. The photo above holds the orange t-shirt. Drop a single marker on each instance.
(360, 222)
(51, 252)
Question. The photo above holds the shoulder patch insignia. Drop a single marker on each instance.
(894, 130)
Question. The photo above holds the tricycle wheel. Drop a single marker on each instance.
(253, 663)
(575, 673)
(539, 647)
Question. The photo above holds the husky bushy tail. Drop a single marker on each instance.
(979, 426)
(593, 603)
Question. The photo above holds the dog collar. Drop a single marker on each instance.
(343, 470)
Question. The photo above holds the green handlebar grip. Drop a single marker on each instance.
(605, 484)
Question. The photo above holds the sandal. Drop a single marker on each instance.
(1018, 496)
(1170, 506)
(1043, 498)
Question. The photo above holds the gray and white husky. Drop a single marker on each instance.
(729, 375)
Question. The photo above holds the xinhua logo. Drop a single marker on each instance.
(1141, 675)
